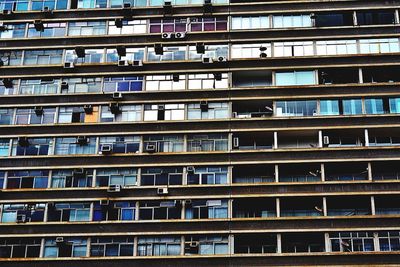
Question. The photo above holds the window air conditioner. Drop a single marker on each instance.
(118, 22)
(21, 218)
(114, 188)
(82, 140)
(59, 239)
(64, 86)
(180, 35)
(117, 95)
(137, 63)
(190, 169)
(236, 142)
(162, 191)
(23, 141)
(104, 202)
(114, 108)
(69, 65)
(106, 149)
(166, 35)
(326, 140)
(150, 148)
(88, 109)
(221, 59)
(207, 60)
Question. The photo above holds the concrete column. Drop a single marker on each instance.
(369, 171)
(277, 173)
(278, 243)
(373, 209)
(324, 206)
(278, 207)
(320, 139)
(376, 242)
(328, 247)
(366, 137)
(322, 172)
(275, 140)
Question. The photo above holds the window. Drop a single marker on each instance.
(69, 212)
(126, 113)
(27, 179)
(11, 58)
(121, 144)
(131, 55)
(333, 19)
(207, 209)
(213, 111)
(52, 4)
(20, 5)
(339, 47)
(352, 242)
(208, 175)
(160, 210)
(211, 51)
(124, 177)
(91, 56)
(389, 241)
(207, 82)
(374, 106)
(164, 112)
(251, 50)
(394, 105)
(33, 147)
(13, 31)
(50, 30)
(168, 25)
(87, 28)
(43, 57)
(207, 142)
(161, 176)
(295, 78)
(129, 27)
(369, 46)
(70, 247)
(114, 211)
(9, 91)
(4, 147)
(206, 245)
(164, 82)
(375, 18)
(247, 23)
(119, 3)
(293, 49)
(329, 107)
(352, 107)
(170, 54)
(111, 246)
(71, 178)
(292, 21)
(208, 24)
(166, 143)
(20, 247)
(296, 108)
(2, 177)
(6, 116)
(81, 85)
(39, 87)
(30, 116)
(92, 3)
(159, 246)
(123, 84)
(77, 115)
(72, 146)
(23, 212)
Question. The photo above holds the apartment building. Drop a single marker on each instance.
(199, 133)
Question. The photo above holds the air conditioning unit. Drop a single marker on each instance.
(127, 5)
(123, 63)
(161, 107)
(64, 86)
(117, 95)
(218, 76)
(150, 148)
(190, 169)
(158, 49)
(193, 244)
(166, 35)
(236, 142)
(118, 23)
(3, 28)
(23, 141)
(188, 202)
(104, 202)
(7, 12)
(326, 140)
(82, 140)
(263, 55)
(162, 191)
(88, 109)
(114, 108)
(207, 7)
(46, 9)
(200, 48)
(21, 218)
(121, 50)
(38, 111)
(106, 149)
(180, 35)
(8, 83)
(69, 65)
(137, 63)
(114, 188)
(207, 60)
(39, 26)
(234, 114)
(59, 239)
(175, 77)
(80, 51)
(221, 59)
(203, 106)
(167, 8)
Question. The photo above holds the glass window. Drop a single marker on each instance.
(246, 23)
(4, 147)
(163, 143)
(213, 111)
(121, 144)
(13, 31)
(131, 55)
(92, 3)
(91, 56)
(250, 50)
(71, 178)
(352, 107)
(295, 78)
(292, 21)
(329, 107)
(50, 30)
(207, 175)
(168, 25)
(207, 81)
(336, 47)
(6, 116)
(164, 112)
(374, 106)
(39, 87)
(123, 84)
(394, 105)
(31, 146)
(164, 82)
(207, 142)
(161, 176)
(296, 108)
(293, 49)
(43, 57)
(35, 116)
(170, 54)
(369, 46)
(124, 177)
(81, 85)
(11, 58)
(73, 146)
(208, 24)
(129, 27)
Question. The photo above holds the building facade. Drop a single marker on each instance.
(199, 133)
